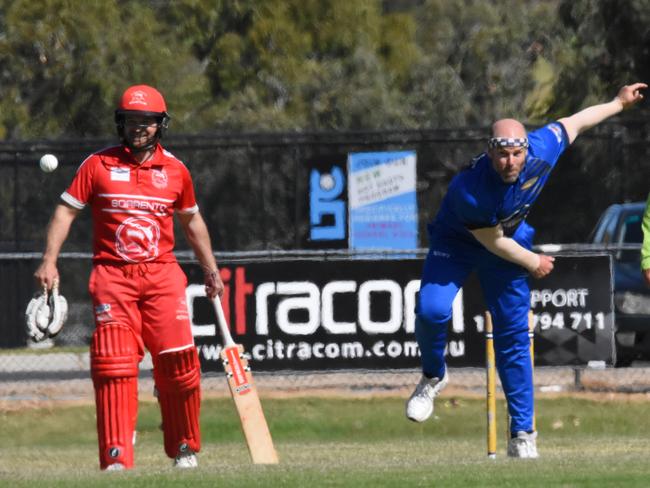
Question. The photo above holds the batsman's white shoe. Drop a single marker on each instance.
(420, 405)
(115, 467)
(186, 460)
(524, 446)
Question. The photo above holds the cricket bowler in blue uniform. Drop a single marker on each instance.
(481, 226)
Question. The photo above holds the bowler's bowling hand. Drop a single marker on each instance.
(545, 266)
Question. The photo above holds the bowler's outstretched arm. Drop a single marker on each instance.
(579, 122)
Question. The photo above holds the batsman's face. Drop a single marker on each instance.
(140, 130)
(508, 162)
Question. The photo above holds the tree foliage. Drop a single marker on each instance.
(608, 46)
(63, 64)
(248, 65)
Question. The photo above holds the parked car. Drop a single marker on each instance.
(619, 229)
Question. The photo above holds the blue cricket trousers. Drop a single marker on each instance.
(507, 295)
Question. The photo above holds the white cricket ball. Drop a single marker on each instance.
(48, 163)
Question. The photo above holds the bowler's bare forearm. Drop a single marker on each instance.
(497, 243)
(493, 239)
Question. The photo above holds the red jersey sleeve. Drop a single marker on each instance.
(80, 191)
(186, 202)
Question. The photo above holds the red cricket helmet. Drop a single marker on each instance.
(142, 100)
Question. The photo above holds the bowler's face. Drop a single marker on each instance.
(508, 162)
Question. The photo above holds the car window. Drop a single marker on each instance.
(609, 229)
(606, 227)
(632, 233)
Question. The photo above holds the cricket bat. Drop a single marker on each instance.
(244, 393)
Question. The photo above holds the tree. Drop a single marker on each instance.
(304, 64)
(492, 48)
(313, 64)
(62, 67)
(609, 44)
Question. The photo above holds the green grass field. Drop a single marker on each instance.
(359, 442)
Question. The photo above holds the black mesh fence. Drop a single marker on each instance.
(253, 192)
(253, 188)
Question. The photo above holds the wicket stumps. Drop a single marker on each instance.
(531, 338)
(490, 369)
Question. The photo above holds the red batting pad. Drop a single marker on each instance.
(114, 366)
(178, 379)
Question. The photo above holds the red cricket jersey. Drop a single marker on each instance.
(132, 205)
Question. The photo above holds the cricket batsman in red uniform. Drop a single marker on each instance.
(136, 285)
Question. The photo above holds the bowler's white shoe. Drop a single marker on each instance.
(115, 467)
(186, 460)
(524, 446)
(420, 406)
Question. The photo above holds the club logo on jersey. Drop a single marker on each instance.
(159, 178)
(529, 183)
(136, 239)
(120, 174)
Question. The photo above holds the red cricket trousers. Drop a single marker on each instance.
(147, 297)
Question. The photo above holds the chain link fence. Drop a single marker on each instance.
(60, 369)
(21, 385)
(252, 189)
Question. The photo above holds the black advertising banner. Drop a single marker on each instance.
(574, 312)
(313, 314)
(572, 309)
(344, 314)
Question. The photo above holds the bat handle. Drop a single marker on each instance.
(55, 288)
(221, 322)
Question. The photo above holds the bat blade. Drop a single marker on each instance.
(249, 408)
